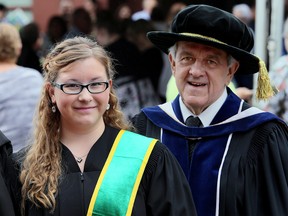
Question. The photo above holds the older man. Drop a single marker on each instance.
(234, 155)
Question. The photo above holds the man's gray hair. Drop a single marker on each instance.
(173, 49)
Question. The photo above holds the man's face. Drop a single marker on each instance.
(201, 73)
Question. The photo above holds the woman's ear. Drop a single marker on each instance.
(50, 89)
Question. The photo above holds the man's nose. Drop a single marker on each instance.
(197, 67)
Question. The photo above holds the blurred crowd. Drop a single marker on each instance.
(143, 72)
(138, 63)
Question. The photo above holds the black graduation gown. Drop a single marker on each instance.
(255, 173)
(163, 189)
(254, 179)
(6, 206)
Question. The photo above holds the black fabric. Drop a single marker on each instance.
(29, 58)
(145, 126)
(6, 205)
(162, 175)
(254, 179)
(213, 27)
(153, 69)
(194, 122)
(264, 188)
(126, 56)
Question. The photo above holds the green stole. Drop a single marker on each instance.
(118, 183)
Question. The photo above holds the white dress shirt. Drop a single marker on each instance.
(208, 114)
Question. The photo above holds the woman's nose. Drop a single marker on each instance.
(85, 95)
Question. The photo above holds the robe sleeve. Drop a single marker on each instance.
(273, 174)
(169, 192)
(13, 181)
(255, 178)
(6, 205)
(142, 125)
(139, 122)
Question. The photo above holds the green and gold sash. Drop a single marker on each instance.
(118, 183)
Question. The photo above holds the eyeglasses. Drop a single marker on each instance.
(74, 88)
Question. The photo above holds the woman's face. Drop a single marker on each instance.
(83, 110)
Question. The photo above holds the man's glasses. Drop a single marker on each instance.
(74, 88)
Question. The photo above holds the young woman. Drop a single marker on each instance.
(83, 160)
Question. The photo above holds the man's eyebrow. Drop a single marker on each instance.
(214, 56)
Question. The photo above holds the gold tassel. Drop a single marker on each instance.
(264, 89)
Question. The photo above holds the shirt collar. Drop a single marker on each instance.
(208, 114)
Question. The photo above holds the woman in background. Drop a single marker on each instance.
(20, 89)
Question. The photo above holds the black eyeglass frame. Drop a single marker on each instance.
(61, 87)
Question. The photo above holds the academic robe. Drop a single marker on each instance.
(6, 205)
(240, 163)
(163, 189)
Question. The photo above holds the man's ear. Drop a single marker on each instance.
(232, 70)
(172, 63)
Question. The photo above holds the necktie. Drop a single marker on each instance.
(195, 122)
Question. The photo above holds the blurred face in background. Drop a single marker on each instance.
(124, 12)
(148, 5)
(102, 36)
(66, 7)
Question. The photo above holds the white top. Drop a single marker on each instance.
(20, 90)
(208, 114)
(141, 15)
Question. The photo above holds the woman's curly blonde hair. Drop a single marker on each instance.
(41, 168)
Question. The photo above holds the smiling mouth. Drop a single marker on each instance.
(196, 84)
(82, 108)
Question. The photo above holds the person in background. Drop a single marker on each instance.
(57, 29)
(233, 155)
(244, 83)
(6, 205)
(83, 159)
(3, 12)
(91, 7)
(129, 82)
(166, 74)
(81, 23)
(66, 8)
(136, 33)
(20, 89)
(243, 12)
(123, 12)
(145, 13)
(279, 76)
(31, 46)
